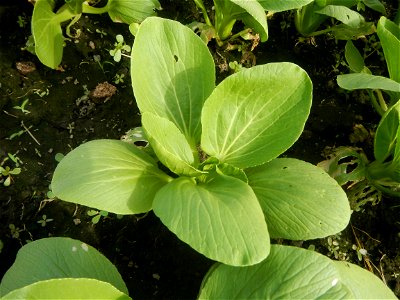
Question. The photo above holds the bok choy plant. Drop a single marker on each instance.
(213, 177)
(46, 23)
(383, 173)
(69, 269)
(310, 17)
(293, 273)
(362, 78)
(62, 268)
(250, 12)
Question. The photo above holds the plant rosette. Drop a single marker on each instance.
(213, 177)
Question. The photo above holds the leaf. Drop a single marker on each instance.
(375, 5)
(282, 5)
(293, 273)
(172, 74)
(170, 145)
(131, 11)
(362, 283)
(256, 114)
(59, 257)
(389, 36)
(68, 288)
(47, 33)
(256, 17)
(299, 200)
(343, 14)
(386, 133)
(221, 218)
(359, 81)
(108, 175)
(353, 57)
(306, 20)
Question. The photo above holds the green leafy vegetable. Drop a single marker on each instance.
(293, 273)
(207, 136)
(60, 258)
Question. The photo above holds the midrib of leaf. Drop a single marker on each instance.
(250, 122)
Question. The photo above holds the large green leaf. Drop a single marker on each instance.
(282, 5)
(170, 145)
(255, 18)
(109, 175)
(389, 36)
(293, 273)
(359, 81)
(300, 201)
(172, 74)
(47, 33)
(59, 257)
(256, 114)
(131, 11)
(221, 218)
(343, 14)
(353, 57)
(68, 288)
(363, 284)
(387, 133)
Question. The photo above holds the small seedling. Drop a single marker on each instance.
(14, 231)
(22, 107)
(119, 48)
(7, 172)
(119, 78)
(101, 32)
(22, 21)
(44, 220)
(96, 215)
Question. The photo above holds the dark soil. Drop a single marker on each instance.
(153, 262)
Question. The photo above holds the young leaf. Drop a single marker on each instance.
(256, 114)
(282, 5)
(359, 81)
(293, 273)
(386, 133)
(343, 14)
(170, 145)
(131, 11)
(353, 57)
(47, 33)
(59, 257)
(299, 200)
(375, 5)
(255, 17)
(389, 36)
(173, 73)
(221, 218)
(109, 175)
(68, 288)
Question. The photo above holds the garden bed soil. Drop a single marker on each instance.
(61, 113)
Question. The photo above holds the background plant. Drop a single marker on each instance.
(362, 77)
(46, 24)
(251, 12)
(62, 268)
(310, 17)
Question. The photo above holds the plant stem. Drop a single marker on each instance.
(236, 35)
(200, 4)
(63, 14)
(86, 8)
(381, 100)
(375, 103)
